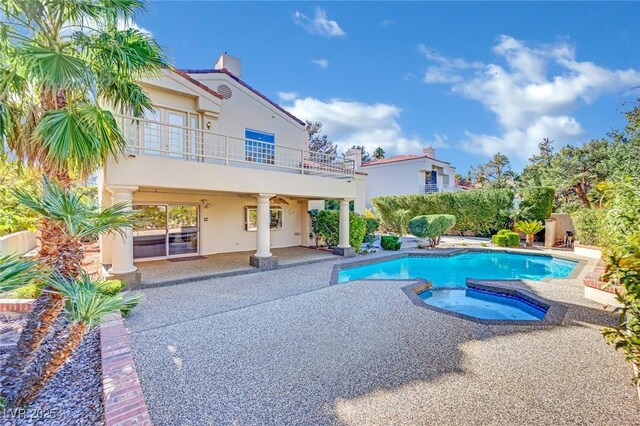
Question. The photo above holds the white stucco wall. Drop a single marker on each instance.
(224, 229)
(17, 243)
(245, 110)
(403, 177)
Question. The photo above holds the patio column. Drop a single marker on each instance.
(122, 245)
(263, 259)
(344, 249)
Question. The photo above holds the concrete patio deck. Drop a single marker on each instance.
(162, 272)
(285, 347)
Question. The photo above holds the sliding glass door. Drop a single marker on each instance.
(183, 230)
(165, 230)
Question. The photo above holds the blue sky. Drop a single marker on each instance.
(471, 79)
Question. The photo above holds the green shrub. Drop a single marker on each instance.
(624, 269)
(589, 226)
(29, 291)
(431, 226)
(506, 239)
(537, 203)
(504, 231)
(372, 226)
(327, 225)
(111, 287)
(622, 214)
(480, 211)
(390, 242)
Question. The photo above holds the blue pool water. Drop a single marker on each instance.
(453, 271)
(482, 304)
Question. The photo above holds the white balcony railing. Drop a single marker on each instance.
(433, 187)
(154, 138)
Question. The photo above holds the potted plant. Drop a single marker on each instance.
(530, 229)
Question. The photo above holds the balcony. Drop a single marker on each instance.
(157, 139)
(433, 187)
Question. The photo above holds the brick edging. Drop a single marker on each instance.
(122, 396)
(594, 279)
(16, 305)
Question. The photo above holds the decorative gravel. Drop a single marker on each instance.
(73, 396)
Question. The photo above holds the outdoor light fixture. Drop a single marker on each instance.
(208, 125)
(205, 203)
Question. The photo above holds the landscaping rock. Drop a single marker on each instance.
(73, 396)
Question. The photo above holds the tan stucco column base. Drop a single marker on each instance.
(344, 251)
(131, 280)
(264, 263)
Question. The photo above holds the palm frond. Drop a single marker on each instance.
(55, 69)
(69, 208)
(67, 140)
(105, 128)
(127, 96)
(86, 303)
(16, 272)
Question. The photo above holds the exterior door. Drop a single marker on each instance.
(177, 135)
(149, 231)
(163, 230)
(183, 230)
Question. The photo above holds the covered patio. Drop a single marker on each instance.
(163, 272)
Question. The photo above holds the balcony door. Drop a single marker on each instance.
(165, 230)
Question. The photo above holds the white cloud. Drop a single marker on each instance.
(440, 140)
(322, 63)
(319, 24)
(287, 96)
(387, 22)
(351, 123)
(532, 90)
(447, 70)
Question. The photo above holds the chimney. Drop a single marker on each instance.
(429, 151)
(230, 63)
(355, 155)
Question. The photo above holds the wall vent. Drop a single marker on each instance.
(225, 91)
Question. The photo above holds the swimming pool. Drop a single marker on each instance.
(483, 304)
(453, 271)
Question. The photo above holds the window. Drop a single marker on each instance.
(251, 218)
(259, 147)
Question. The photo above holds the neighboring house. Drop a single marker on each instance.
(409, 174)
(217, 168)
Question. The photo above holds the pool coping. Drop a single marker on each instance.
(555, 312)
(449, 252)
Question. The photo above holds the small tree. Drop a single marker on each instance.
(432, 227)
(530, 229)
(86, 306)
(378, 153)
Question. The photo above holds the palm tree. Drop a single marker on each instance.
(378, 153)
(64, 65)
(68, 220)
(61, 63)
(85, 308)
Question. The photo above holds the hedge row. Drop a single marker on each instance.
(537, 203)
(479, 211)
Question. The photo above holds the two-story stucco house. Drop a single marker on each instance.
(218, 168)
(409, 174)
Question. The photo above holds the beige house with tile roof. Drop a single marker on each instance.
(218, 167)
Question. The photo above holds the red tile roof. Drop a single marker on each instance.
(242, 83)
(396, 158)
